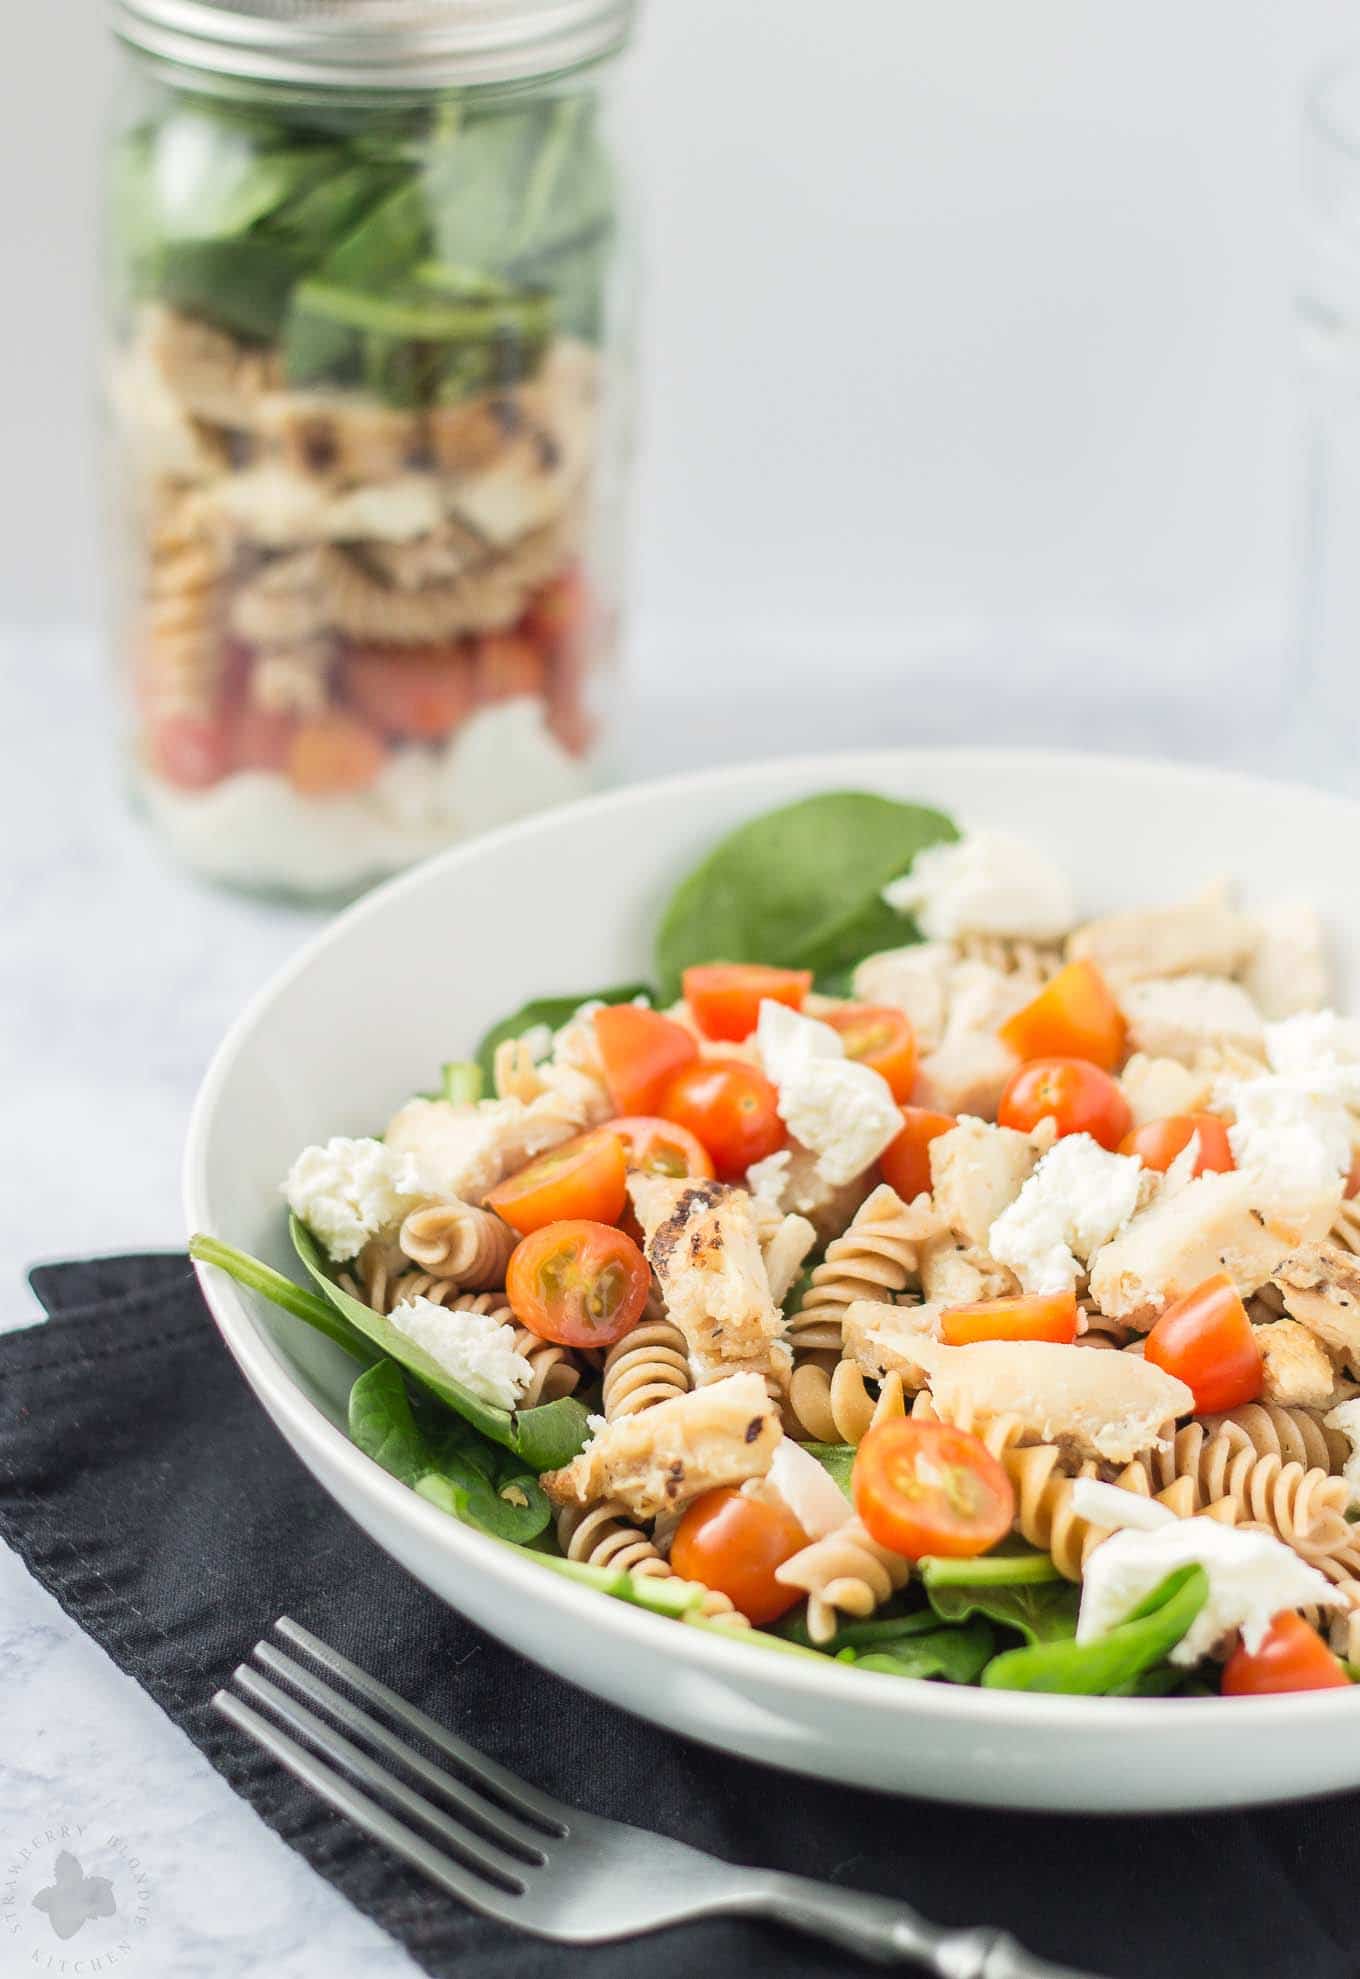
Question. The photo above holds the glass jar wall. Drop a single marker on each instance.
(366, 380)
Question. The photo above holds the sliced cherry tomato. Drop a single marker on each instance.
(587, 1177)
(332, 755)
(507, 665)
(1073, 1016)
(419, 693)
(580, 1284)
(877, 1035)
(1158, 1142)
(905, 1161)
(726, 996)
(734, 1543)
(641, 1050)
(1353, 1178)
(926, 1487)
(1041, 1316)
(261, 739)
(1292, 1657)
(1206, 1341)
(1078, 1095)
(558, 612)
(731, 1107)
(653, 1146)
(191, 754)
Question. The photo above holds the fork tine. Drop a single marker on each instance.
(469, 1888)
(504, 1830)
(500, 1786)
(497, 1863)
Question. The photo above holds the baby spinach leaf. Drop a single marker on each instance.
(1008, 1566)
(382, 1426)
(281, 1291)
(1040, 1614)
(1114, 1660)
(554, 1011)
(545, 1438)
(798, 887)
(880, 1633)
(959, 1655)
(241, 284)
(515, 1511)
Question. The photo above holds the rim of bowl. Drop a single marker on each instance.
(706, 1651)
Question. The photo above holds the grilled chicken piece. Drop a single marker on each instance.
(882, 1338)
(783, 1250)
(662, 1457)
(1289, 971)
(1155, 1088)
(1194, 938)
(338, 436)
(977, 1170)
(703, 1243)
(206, 371)
(464, 1151)
(954, 1275)
(1180, 1017)
(1298, 1371)
(1180, 1239)
(1110, 1406)
(1320, 1285)
(828, 1206)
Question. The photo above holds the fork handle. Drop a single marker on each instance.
(889, 1933)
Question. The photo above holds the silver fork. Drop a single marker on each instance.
(516, 1854)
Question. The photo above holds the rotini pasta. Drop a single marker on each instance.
(835, 1406)
(650, 1364)
(1295, 1435)
(452, 1240)
(1304, 1506)
(605, 1536)
(847, 1573)
(875, 1258)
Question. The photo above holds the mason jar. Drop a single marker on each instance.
(367, 383)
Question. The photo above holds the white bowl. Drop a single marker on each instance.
(568, 901)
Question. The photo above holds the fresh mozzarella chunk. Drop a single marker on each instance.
(798, 1480)
(474, 1347)
(1346, 1417)
(1181, 1016)
(916, 980)
(349, 1191)
(1195, 938)
(976, 1170)
(1252, 1576)
(1110, 1505)
(1296, 1368)
(987, 883)
(1217, 1223)
(1320, 1286)
(882, 1338)
(844, 1112)
(1288, 973)
(1111, 1406)
(663, 1457)
(464, 1150)
(1156, 1088)
(703, 1243)
(1077, 1199)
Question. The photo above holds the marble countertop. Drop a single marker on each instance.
(118, 975)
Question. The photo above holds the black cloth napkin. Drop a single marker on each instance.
(143, 1485)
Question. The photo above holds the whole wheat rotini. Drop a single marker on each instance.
(605, 1536)
(874, 1258)
(836, 1406)
(649, 1364)
(453, 1240)
(1303, 1506)
(846, 1573)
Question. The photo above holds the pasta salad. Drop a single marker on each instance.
(916, 1272)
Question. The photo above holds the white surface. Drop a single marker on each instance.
(300, 1053)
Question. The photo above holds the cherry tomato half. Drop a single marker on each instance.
(1158, 1142)
(1206, 1341)
(1073, 1016)
(418, 693)
(881, 1037)
(334, 754)
(1292, 1657)
(1353, 1177)
(926, 1487)
(1079, 1096)
(734, 1543)
(726, 996)
(905, 1161)
(641, 1050)
(587, 1177)
(580, 1284)
(653, 1146)
(731, 1107)
(1041, 1316)
(192, 754)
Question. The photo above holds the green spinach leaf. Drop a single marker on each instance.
(445, 1462)
(959, 1655)
(280, 1291)
(798, 887)
(1115, 1660)
(554, 1011)
(1041, 1614)
(878, 1633)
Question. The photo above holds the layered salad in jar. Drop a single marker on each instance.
(359, 404)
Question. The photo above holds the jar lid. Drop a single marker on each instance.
(376, 44)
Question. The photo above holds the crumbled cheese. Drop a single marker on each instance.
(818, 1504)
(768, 1179)
(1346, 1417)
(844, 1112)
(475, 1348)
(987, 883)
(1293, 1125)
(1252, 1576)
(1120, 1510)
(349, 1191)
(1077, 1199)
